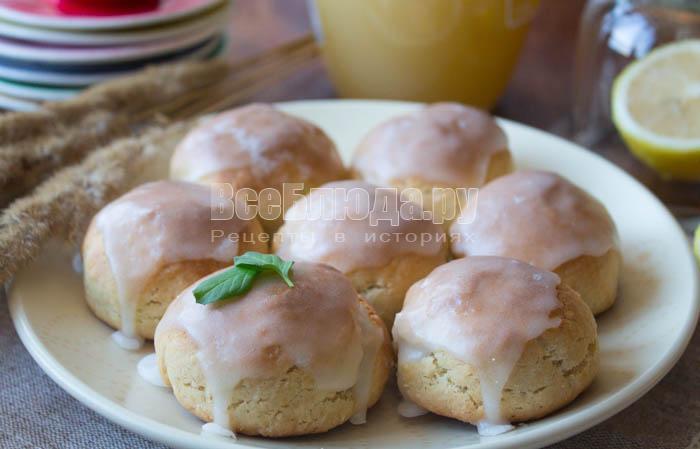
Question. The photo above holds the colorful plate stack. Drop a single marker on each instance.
(52, 49)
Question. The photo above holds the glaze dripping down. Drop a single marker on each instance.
(148, 370)
(152, 226)
(215, 430)
(482, 311)
(318, 326)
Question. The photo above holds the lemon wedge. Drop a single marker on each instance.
(656, 109)
(697, 243)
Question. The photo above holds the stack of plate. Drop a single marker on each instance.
(52, 49)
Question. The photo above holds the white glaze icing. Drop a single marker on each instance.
(154, 225)
(409, 409)
(258, 138)
(130, 343)
(486, 429)
(149, 371)
(538, 217)
(216, 430)
(482, 311)
(318, 325)
(346, 238)
(445, 143)
(372, 340)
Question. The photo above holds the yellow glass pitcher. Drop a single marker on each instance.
(422, 50)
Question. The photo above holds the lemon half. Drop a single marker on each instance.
(656, 109)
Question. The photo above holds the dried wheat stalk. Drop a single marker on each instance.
(34, 144)
(63, 204)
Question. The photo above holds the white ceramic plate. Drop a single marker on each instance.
(640, 338)
(41, 13)
(36, 93)
(77, 56)
(214, 19)
(17, 104)
(81, 78)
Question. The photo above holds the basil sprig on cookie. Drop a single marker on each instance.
(238, 280)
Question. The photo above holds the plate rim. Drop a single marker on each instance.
(17, 104)
(77, 56)
(36, 93)
(84, 80)
(555, 432)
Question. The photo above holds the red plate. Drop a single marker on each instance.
(106, 7)
(100, 14)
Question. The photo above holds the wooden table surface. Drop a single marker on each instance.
(539, 94)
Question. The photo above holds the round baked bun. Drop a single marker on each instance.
(490, 341)
(143, 249)
(382, 258)
(443, 145)
(543, 219)
(277, 361)
(259, 147)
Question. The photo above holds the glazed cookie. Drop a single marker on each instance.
(142, 249)
(258, 147)
(382, 258)
(277, 361)
(490, 341)
(542, 219)
(444, 145)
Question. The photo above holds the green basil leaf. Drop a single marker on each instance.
(232, 282)
(266, 262)
(238, 280)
